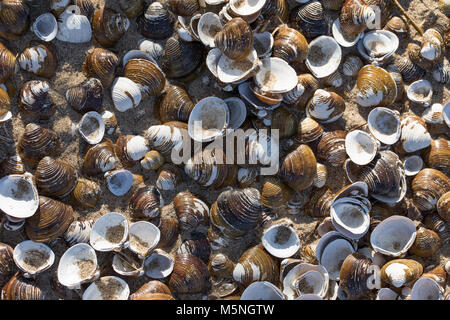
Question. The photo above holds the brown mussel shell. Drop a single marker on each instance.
(192, 212)
(55, 177)
(440, 226)
(220, 266)
(320, 203)
(146, 74)
(169, 232)
(426, 244)
(87, 96)
(308, 131)
(309, 19)
(180, 58)
(438, 156)
(7, 62)
(290, 45)
(151, 287)
(199, 248)
(397, 25)
(5, 102)
(443, 206)
(38, 142)
(132, 8)
(50, 221)
(35, 99)
(99, 159)
(235, 40)
(14, 19)
(412, 271)
(409, 70)
(42, 55)
(86, 193)
(186, 8)
(190, 275)
(333, 102)
(101, 63)
(7, 264)
(146, 202)
(169, 177)
(331, 148)
(20, 288)
(299, 168)
(274, 193)
(156, 23)
(176, 105)
(373, 80)
(354, 276)
(12, 165)
(109, 26)
(427, 187)
(152, 160)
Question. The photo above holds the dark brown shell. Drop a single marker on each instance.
(220, 266)
(416, 57)
(146, 202)
(35, 99)
(50, 221)
(427, 187)
(274, 193)
(397, 25)
(309, 19)
(308, 131)
(38, 142)
(7, 264)
(12, 165)
(299, 168)
(120, 149)
(86, 193)
(438, 156)
(355, 276)
(55, 177)
(19, 288)
(169, 177)
(237, 212)
(47, 66)
(275, 8)
(235, 40)
(109, 26)
(410, 71)
(99, 159)
(331, 148)
(169, 232)
(412, 271)
(176, 105)
(14, 19)
(320, 203)
(190, 275)
(132, 8)
(186, 8)
(151, 287)
(7, 62)
(334, 103)
(180, 58)
(86, 97)
(101, 63)
(289, 45)
(199, 248)
(285, 122)
(5, 103)
(434, 222)
(443, 206)
(87, 7)
(191, 211)
(156, 23)
(256, 258)
(426, 244)
(146, 74)
(351, 18)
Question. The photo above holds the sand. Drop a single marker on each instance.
(134, 122)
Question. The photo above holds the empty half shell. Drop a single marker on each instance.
(33, 257)
(92, 127)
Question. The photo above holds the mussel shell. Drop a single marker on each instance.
(290, 45)
(331, 147)
(156, 22)
(299, 168)
(176, 105)
(399, 272)
(180, 58)
(199, 248)
(8, 63)
(310, 19)
(55, 177)
(109, 26)
(354, 276)
(99, 159)
(146, 202)
(38, 142)
(192, 212)
(438, 156)
(20, 288)
(40, 59)
(190, 275)
(169, 231)
(426, 244)
(151, 287)
(85, 194)
(12, 165)
(235, 40)
(146, 74)
(427, 187)
(86, 97)
(35, 99)
(101, 63)
(7, 264)
(14, 19)
(50, 221)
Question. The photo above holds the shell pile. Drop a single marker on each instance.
(115, 184)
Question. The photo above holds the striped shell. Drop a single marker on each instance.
(55, 177)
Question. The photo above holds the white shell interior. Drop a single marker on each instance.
(246, 7)
(45, 27)
(229, 71)
(208, 26)
(446, 114)
(324, 56)
(420, 92)
(426, 289)
(378, 45)
(351, 217)
(119, 182)
(412, 165)
(386, 294)
(209, 119)
(393, 236)
(339, 37)
(263, 43)
(360, 147)
(26, 249)
(276, 76)
(68, 270)
(94, 292)
(125, 94)
(158, 265)
(238, 112)
(262, 290)
(92, 127)
(18, 196)
(433, 114)
(123, 268)
(98, 233)
(316, 276)
(281, 241)
(147, 232)
(384, 124)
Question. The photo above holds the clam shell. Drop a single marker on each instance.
(189, 275)
(86, 97)
(238, 112)
(400, 272)
(325, 107)
(191, 211)
(125, 93)
(384, 124)
(376, 87)
(169, 231)
(8, 61)
(305, 279)
(169, 177)
(92, 127)
(262, 290)
(412, 164)
(35, 99)
(109, 232)
(275, 76)
(144, 237)
(351, 65)
(181, 59)
(433, 114)
(156, 22)
(12, 165)
(119, 182)
(78, 232)
(146, 75)
(350, 216)
(420, 92)
(110, 121)
(308, 131)
(55, 177)
(18, 196)
(107, 288)
(45, 27)
(151, 287)
(299, 168)
(127, 263)
(109, 26)
(176, 105)
(33, 257)
(342, 38)
(146, 202)
(220, 266)
(355, 277)
(360, 147)
(38, 142)
(443, 206)
(263, 44)
(274, 193)
(199, 248)
(426, 289)
(281, 241)
(331, 147)
(415, 135)
(324, 56)
(40, 59)
(19, 288)
(426, 244)
(235, 40)
(7, 264)
(132, 8)
(152, 160)
(231, 71)
(290, 45)
(99, 159)
(158, 265)
(101, 63)
(310, 19)
(208, 26)
(378, 46)
(73, 27)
